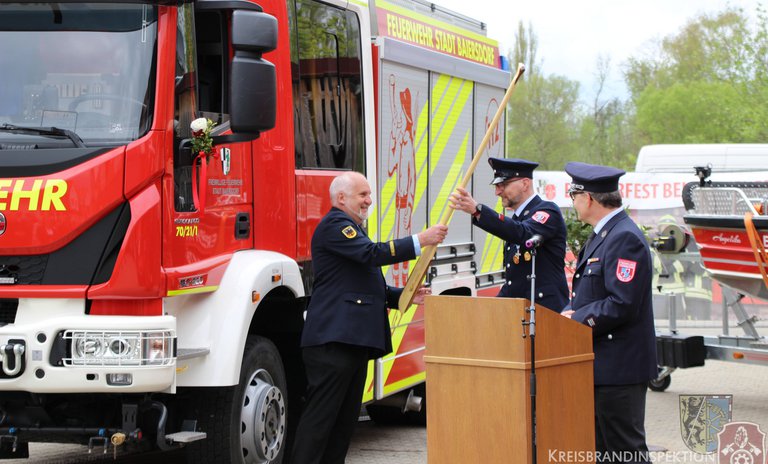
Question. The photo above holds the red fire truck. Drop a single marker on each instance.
(151, 294)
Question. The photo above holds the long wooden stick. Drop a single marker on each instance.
(427, 253)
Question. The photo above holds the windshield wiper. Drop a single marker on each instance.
(48, 131)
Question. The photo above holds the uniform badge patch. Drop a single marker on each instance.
(349, 232)
(540, 217)
(625, 270)
(501, 217)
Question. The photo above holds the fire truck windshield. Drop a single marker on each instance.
(83, 67)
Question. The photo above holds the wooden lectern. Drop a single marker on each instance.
(478, 383)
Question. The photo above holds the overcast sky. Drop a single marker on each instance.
(572, 34)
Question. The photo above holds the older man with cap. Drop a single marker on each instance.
(612, 295)
(533, 217)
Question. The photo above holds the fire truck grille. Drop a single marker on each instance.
(24, 270)
(8, 310)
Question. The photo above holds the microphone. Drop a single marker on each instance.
(534, 241)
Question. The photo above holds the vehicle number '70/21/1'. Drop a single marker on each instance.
(186, 231)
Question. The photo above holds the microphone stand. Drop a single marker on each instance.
(531, 323)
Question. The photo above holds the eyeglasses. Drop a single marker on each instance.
(503, 185)
(573, 194)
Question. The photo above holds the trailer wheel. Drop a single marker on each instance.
(659, 385)
(245, 423)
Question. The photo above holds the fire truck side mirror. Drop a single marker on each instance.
(253, 80)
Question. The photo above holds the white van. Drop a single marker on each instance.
(724, 157)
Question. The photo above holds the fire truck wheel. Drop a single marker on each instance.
(247, 422)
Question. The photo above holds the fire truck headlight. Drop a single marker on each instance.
(124, 348)
(87, 347)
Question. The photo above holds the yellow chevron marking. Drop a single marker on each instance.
(407, 382)
(387, 200)
(400, 321)
(493, 255)
(422, 153)
(189, 291)
(398, 318)
(368, 392)
(446, 113)
(449, 185)
(388, 210)
(451, 98)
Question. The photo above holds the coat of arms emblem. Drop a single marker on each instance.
(741, 442)
(702, 417)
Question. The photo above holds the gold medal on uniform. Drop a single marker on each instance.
(516, 258)
(527, 256)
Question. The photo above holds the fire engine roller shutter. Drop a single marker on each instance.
(408, 64)
(402, 146)
(489, 252)
(450, 148)
(403, 203)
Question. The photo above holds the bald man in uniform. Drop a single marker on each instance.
(346, 323)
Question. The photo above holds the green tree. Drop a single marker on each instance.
(606, 130)
(541, 121)
(695, 112)
(702, 84)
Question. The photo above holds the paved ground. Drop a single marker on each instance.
(407, 444)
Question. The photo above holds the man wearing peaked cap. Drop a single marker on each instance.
(513, 183)
(612, 295)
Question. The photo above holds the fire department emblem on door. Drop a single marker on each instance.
(2, 224)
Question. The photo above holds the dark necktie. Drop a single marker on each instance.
(586, 245)
(589, 240)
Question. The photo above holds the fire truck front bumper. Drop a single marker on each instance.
(89, 354)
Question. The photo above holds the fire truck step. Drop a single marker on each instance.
(187, 353)
(185, 437)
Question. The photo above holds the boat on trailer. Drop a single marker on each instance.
(730, 224)
(729, 221)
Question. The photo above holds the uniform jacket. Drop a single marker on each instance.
(612, 294)
(539, 217)
(350, 297)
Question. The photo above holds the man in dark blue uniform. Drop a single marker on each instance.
(346, 323)
(513, 181)
(612, 295)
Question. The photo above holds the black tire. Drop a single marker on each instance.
(245, 423)
(659, 385)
